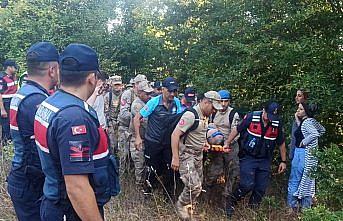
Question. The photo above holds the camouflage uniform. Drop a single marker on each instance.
(137, 155)
(224, 167)
(191, 156)
(111, 113)
(124, 119)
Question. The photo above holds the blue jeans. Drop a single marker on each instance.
(297, 170)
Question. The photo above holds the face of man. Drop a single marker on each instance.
(11, 70)
(92, 82)
(54, 73)
(299, 97)
(158, 91)
(144, 96)
(207, 107)
(265, 116)
(169, 95)
(117, 87)
(225, 104)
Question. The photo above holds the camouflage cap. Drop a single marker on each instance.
(139, 78)
(145, 86)
(116, 79)
(215, 98)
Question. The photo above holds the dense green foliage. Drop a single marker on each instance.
(256, 49)
(329, 177)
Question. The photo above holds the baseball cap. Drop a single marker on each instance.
(116, 79)
(189, 94)
(79, 57)
(157, 84)
(170, 83)
(225, 95)
(10, 63)
(42, 52)
(139, 78)
(272, 109)
(215, 98)
(145, 86)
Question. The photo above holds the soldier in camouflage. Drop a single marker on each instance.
(188, 151)
(124, 119)
(223, 168)
(144, 91)
(112, 103)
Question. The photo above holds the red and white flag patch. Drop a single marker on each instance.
(77, 130)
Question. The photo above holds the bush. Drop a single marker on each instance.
(329, 177)
(321, 213)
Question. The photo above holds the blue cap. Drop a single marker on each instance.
(157, 84)
(42, 52)
(170, 83)
(79, 57)
(272, 109)
(190, 94)
(225, 95)
(10, 63)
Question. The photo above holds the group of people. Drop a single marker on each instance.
(69, 143)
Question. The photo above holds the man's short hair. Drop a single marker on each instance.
(74, 78)
(35, 68)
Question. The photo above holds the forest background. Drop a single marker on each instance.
(259, 50)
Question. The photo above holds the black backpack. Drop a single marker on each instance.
(172, 122)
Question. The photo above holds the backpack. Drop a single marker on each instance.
(231, 116)
(173, 121)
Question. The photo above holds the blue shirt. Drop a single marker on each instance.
(157, 115)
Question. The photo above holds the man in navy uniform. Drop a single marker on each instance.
(25, 181)
(72, 145)
(8, 87)
(261, 132)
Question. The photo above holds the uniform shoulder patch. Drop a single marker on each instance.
(79, 151)
(77, 130)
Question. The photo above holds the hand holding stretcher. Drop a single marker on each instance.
(220, 148)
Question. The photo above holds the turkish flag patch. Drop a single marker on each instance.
(79, 151)
(77, 130)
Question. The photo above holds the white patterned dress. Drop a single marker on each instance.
(312, 130)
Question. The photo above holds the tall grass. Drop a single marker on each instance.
(131, 204)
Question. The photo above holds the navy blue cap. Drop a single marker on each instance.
(225, 95)
(272, 109)
(170, 83)
(190, 94)
(10, 63)
(42, 52)
(79, 57)
(157, 84)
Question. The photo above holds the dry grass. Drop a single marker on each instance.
(131, 204)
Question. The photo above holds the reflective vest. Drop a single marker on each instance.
(25, 152)
(11, 88)
(257, 142)
(101, 180)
